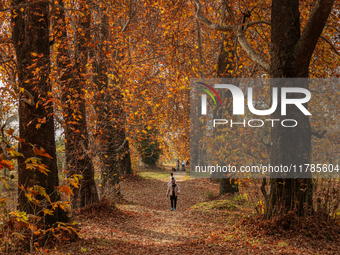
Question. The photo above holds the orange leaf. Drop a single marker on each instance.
(41, 152)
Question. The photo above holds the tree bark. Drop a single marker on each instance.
(32, 47)
(224, 64)
(290, 58)
(73, 83)
(228, 186)
(110, 115)
(125, 159)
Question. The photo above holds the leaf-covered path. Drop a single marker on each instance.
(151, 226)
(144, 223)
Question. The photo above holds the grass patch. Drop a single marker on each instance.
(161, 176)
(216, 204)
(256, 241)
(210, 194)
(230, 238)
(282, 243)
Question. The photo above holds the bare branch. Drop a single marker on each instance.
(319, 134)
(122, 145)
(12, 83)
(240, 33)
(259, 22)
(128, 21)
(335, 28)
(330, 44)
(131, 16)
(6, 61)
(208, 23)
(313, 29)
(250, 51)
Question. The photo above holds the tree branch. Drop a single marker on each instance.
(336, 29)
(240, 33)
(250, 51)
(319, 134)
(131, 16)
(122, 145)
(313, 29)
(258, 22)
(6, 61)
(204, 20)
(330, 44)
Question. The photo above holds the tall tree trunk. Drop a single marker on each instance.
(290, 58)
(73, 82)
(227, 185)
(224, 64)
(114, 155)
(32, 47)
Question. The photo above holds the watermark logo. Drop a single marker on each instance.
(204, 97)
(238, 124)
(238, 99)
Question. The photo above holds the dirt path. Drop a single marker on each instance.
(151, 226)
(144, 223)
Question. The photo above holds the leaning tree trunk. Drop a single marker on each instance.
(73, 82)
(290, 58)
(36, 124)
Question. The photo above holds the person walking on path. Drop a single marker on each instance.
(183, 165)
(177, 165)
(173, 191)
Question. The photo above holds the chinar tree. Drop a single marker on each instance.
(291, 49)
(30, 34)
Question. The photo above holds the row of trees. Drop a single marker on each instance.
(73, 65)
(115, 76)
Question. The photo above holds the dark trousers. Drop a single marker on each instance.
(173, 200)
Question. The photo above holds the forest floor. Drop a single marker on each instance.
(143, 223)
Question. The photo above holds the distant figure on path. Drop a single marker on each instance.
(183, 165)
(173, 191)
(177, 165)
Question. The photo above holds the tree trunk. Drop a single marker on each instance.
(290, 57)
(224, 64)
(228, 186)
(125, 159)
(110, 115)
(73, 82)
(32, 48)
